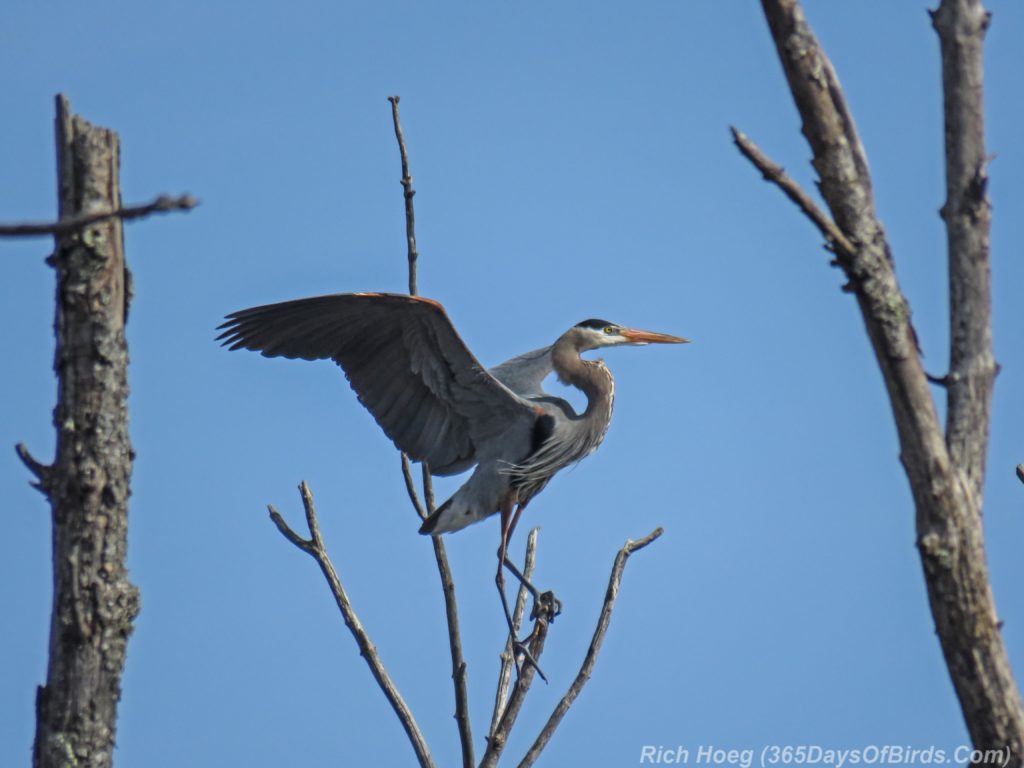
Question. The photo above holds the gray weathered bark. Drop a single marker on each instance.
(946, 470)
(961, 28)
(87, 486)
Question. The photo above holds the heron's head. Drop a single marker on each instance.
(592, 334)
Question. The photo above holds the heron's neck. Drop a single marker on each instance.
(592, 378)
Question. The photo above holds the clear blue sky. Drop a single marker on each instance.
(571, 160)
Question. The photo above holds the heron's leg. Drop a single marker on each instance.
(555, 603)
(515, 518)
(552, 604)
(514, 570)
(508, 522)
(499, 579)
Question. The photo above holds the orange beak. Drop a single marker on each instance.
(650, 337)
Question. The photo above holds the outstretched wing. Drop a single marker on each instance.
(405, 362)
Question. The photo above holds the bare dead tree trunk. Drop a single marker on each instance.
(946, 470)
(87, 486)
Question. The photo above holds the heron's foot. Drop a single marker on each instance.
(547, 605)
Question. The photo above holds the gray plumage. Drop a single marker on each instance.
(525, 374)
(430, 395)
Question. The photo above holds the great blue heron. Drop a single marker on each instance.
(429, 394)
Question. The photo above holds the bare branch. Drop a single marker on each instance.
(428, 487)
(314, 547)
(455, 647)
(545, 612)
(423, 510)
(507, 657)
(306, 545)
(64, 226)
(777, 175)
(961, 26)
(410, 487)
(603, 621)
(945, 481)
(409, 192)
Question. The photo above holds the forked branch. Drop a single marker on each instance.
(507, 703)
(945, 470)
(314, 547)
(496, 743)
(611, 594)
(498, 739)
(775, 173)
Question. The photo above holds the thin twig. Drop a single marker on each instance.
(410, 487)
(451, 610)
(428, 487)
(595, 646)
(775, 173)
(314, 547)
(162, 204)
(423, 510)
(507, 655)
(408, 192)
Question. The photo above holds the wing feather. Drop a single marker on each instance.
(408, 366)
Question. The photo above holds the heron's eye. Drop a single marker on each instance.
(610, 329)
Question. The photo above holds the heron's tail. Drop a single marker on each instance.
(453, 515)
(432, 521)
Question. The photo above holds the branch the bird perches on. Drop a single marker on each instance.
(509, 696)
